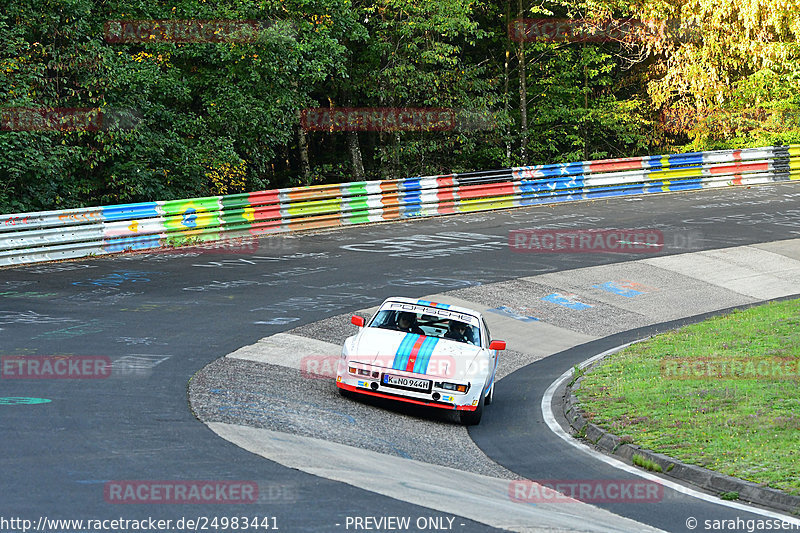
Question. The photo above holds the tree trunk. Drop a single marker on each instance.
(523, 95)
(353, 145)
(585, 112)
(396, 156)
(302, 143)
(505, 83)
(355, 156)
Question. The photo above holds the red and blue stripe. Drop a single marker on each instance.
(414, 353)
(433, 304)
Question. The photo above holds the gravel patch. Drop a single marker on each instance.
(282, 399)
(587, 315)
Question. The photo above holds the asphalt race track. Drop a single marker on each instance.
(165, 320)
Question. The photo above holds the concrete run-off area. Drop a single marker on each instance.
(265, 397)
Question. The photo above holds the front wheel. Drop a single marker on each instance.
(472, 418)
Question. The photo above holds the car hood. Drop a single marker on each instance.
(415, 353)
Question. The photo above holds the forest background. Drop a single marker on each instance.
(222, 116)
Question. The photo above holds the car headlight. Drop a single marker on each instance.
(457, 387)
(363, 372)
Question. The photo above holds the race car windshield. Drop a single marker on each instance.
(429, 325)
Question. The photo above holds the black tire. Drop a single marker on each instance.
(472, 418)
(345, 393)
(490, 396)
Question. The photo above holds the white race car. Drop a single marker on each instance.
(424, 353)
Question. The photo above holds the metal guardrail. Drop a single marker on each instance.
(73, 233)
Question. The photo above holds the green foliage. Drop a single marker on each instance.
(577, 372)
(198, 107)
(647, 464)
(206, 118)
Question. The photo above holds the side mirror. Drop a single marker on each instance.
(497, 345)
(357, 320)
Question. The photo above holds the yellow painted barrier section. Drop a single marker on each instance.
(484, 204)
(675, 174)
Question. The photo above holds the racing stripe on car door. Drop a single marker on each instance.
(412, 358)
(404, 351)
(424, 356)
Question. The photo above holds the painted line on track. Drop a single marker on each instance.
(555, 427)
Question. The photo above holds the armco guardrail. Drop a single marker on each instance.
(53, 235)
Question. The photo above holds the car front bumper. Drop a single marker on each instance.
(373, 385)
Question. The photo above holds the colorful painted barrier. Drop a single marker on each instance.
(66, 234)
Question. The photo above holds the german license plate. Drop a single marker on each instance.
(407, 383)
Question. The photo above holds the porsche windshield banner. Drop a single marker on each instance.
(443, 312)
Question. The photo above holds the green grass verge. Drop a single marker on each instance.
(723, 394)
(647, 464)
